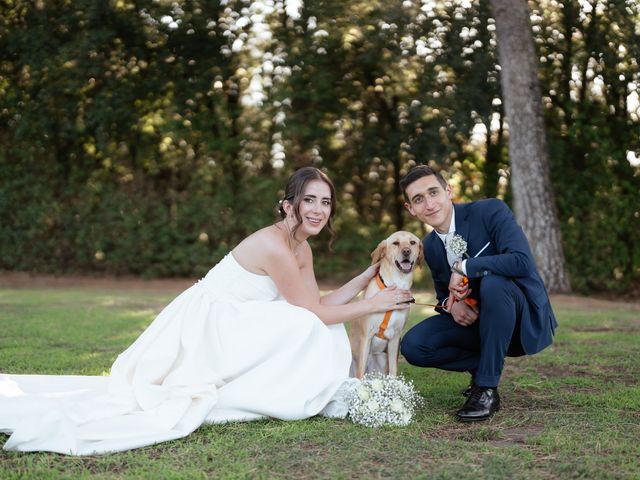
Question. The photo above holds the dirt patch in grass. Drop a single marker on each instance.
(616, 374)
(607, 373)
(593, 303)
(472, 432)
(621, 328)
(43, 280)
(563, 371)
(518, 435)
(491, 433)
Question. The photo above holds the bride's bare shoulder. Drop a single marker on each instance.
(265, 238)
(252, 252)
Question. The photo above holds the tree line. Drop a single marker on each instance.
(149, 137)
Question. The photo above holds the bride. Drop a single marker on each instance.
(252, 339)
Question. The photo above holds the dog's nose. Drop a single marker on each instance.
(406, 252)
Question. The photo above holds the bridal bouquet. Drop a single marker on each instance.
(383, 400)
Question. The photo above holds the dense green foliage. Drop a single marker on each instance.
(569, 412)
(148, 137)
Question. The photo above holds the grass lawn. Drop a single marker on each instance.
(572, 411)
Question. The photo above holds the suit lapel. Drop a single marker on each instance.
(439, 247)
(434, 249)
(436, 246)
(462, 222)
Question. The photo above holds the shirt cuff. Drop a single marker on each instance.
(443, 305)
(463, 267)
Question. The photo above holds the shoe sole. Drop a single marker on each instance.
(479, 419)
(472, 420)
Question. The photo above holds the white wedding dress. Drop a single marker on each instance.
(229, 348)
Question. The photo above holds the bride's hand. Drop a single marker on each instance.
(370, 273)
(391, 298)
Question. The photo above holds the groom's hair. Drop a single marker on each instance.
(417, 172)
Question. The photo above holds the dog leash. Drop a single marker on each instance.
(413, 300)
(387, 315)
(472, 302)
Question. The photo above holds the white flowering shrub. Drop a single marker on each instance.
(383, 400)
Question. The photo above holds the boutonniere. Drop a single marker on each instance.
(457, 247)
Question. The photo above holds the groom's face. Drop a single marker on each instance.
(430, 202)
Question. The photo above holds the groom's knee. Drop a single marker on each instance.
(499, 292)
(493, 283)
(414, 350)
(496, 287)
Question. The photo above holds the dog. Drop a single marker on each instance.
(375, 338)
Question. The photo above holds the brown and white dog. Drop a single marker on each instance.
(375, 338)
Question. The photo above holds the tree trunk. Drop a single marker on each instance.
(491, 170)
(534, 203)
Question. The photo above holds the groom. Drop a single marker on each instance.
(494, 303)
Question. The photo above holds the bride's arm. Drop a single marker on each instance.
(297, 288)
(341, 295)
(350, 289)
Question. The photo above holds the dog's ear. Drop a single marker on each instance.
(379, 253)
(420, 260)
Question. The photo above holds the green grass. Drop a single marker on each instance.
(572, 411)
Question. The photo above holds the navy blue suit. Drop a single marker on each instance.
(515, 314)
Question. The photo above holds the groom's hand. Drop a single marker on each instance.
(459, 286)
(463, 314)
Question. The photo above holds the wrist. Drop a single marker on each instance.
(363, 280)
(370, 307)
(455, 268)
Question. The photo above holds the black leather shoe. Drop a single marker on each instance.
(467, 391)
(480, 405)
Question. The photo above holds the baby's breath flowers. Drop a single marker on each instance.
(457, 247)
(383, 400)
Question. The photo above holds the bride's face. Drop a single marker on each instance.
(314, 209)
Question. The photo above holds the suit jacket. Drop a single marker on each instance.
(508, 254)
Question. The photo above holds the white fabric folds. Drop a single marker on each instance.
(229, 348)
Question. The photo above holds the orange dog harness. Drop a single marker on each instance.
(387, 314)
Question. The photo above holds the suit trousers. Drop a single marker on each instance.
(480, 348)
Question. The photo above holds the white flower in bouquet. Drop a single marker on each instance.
(363, 393)
(376, 385)
(397, 405)
(383, 400)
(372, 405)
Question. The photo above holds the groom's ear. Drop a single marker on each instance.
(379, 253)
(407, 205)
